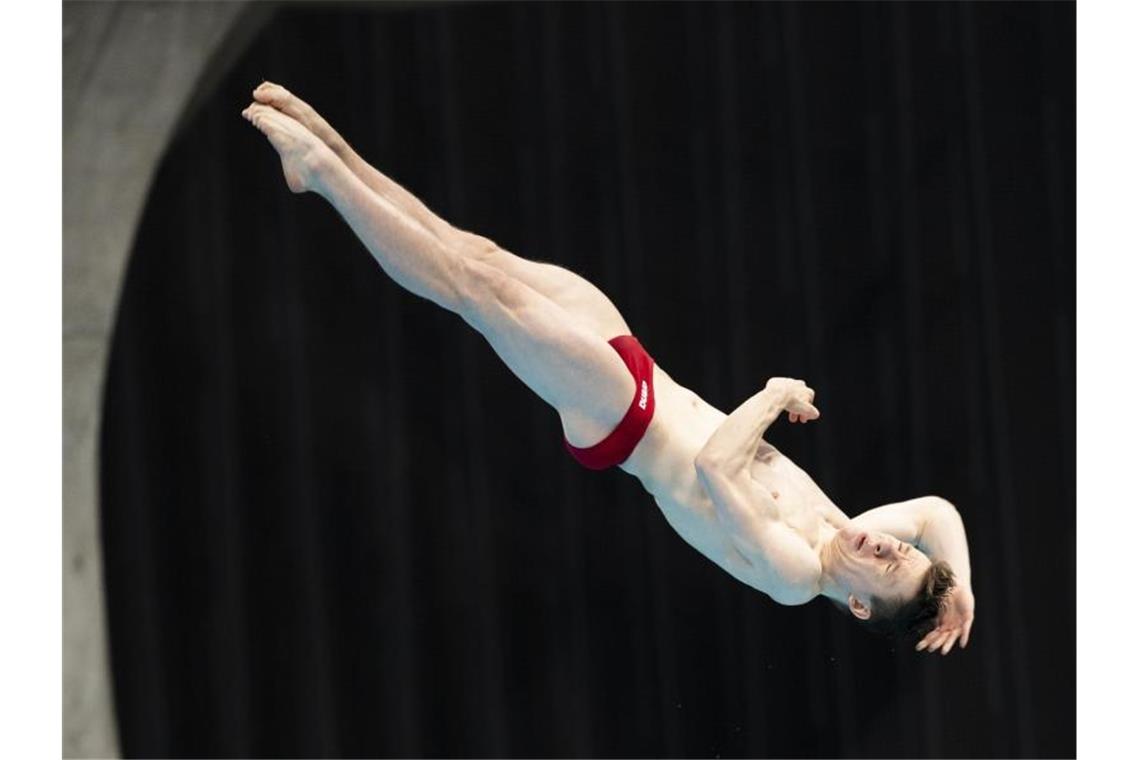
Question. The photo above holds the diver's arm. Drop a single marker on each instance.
(733, 445)
(944, 538)
(933, 525)
(780, 563)
(929, 522)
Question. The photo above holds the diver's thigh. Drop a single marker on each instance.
(574, 293)
(565, 363)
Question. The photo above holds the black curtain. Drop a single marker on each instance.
(335, 524)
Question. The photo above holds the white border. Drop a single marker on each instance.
(31, 320)
(1108, 210)
(1108, 453)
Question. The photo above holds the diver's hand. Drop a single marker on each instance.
(954, 622)
(798, 398)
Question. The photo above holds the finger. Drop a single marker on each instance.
(925, 641)
(793, 417)
(966, 633)
(934, 645)
(949, 642)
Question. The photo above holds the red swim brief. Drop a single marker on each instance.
(618, 445)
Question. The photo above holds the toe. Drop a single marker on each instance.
(268, 92)
(256, 114)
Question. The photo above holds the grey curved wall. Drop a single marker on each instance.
(129, 70)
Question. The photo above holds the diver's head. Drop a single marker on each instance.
(888, 584)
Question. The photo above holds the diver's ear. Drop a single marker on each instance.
(858, 609)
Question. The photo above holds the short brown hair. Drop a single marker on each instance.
(911, 618)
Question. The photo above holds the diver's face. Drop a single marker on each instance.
(871, 564)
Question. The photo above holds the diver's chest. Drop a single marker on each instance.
(782, 478)
(798, 501)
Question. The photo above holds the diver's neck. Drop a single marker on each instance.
(827, 561)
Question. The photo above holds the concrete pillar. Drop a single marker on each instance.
(128, 70)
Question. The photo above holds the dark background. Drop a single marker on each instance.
(335, 524)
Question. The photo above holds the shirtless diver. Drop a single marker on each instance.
(901, 568)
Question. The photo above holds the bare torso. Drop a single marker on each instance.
(663, 462)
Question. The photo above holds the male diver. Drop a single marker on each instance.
(901, 568)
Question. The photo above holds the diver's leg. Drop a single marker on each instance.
(410, 254)
(566, 364)
(577, 295)
(285, 101)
